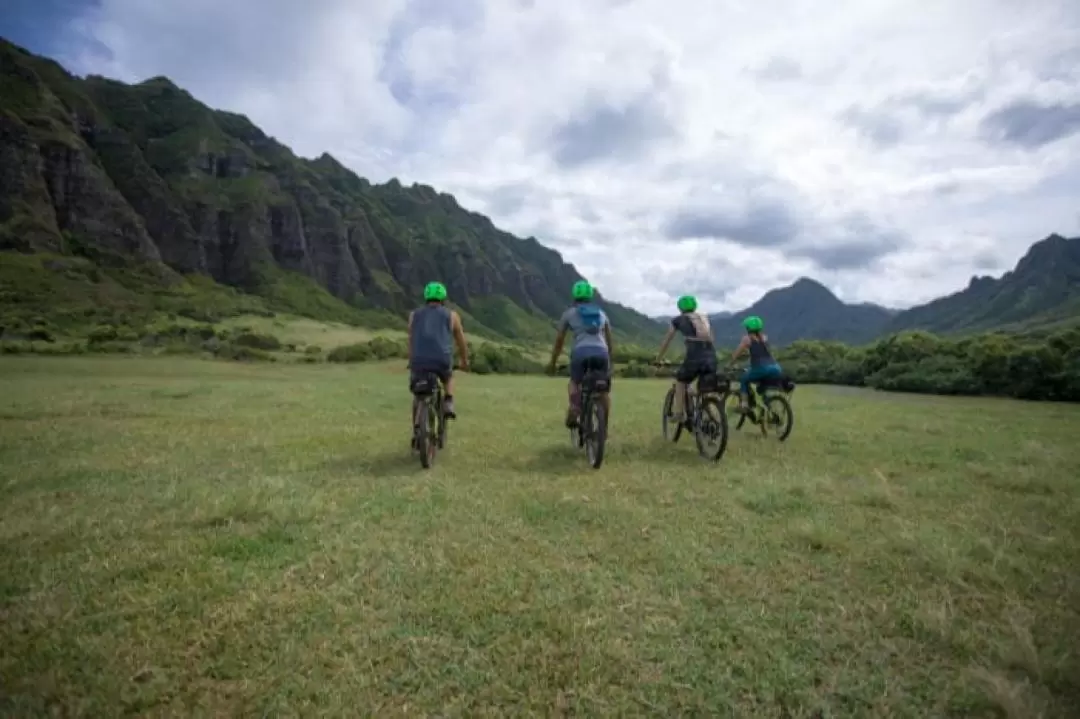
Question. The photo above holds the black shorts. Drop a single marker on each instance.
(696, 365)
(443, 370)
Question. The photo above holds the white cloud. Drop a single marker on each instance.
(937, 131)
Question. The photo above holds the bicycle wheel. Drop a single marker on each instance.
(577, 433)
(778, 414)
(672, 429)
(595, 434)
(442, 423)
(426, 439)
(711, 429)
(731, 404)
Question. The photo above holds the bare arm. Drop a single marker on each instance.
(664, 345)
(560, 338)
(741, 348)
(459, 339)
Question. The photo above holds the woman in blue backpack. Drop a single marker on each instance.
(591, 349)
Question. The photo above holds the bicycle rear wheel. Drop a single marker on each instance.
(440, 413)
(426, 440)
(672, 430)
(577, 433)
(779, 415)
(595, 433)
(711, 428)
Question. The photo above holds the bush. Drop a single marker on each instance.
(493, 359)
(113, 348)
(1031, 367)
(257, 341)
(40, 334)
(379, 348)
(241, 353)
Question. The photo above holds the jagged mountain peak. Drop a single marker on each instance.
(160, 177)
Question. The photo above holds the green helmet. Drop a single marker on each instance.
(435, 292)
(582, 291)
(687, 303)
(753, 323)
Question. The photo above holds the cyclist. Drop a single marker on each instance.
(591, 349)
(431, 329)
(762, 365)
(700, 357)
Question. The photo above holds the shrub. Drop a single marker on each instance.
(40, 334)
(379, 348)
(257, 341)
(241, 353)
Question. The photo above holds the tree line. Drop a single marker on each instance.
(1034, 366)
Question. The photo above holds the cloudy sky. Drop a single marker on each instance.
(888, 148)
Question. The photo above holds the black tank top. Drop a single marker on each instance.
(759, 352)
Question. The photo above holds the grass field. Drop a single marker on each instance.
(184, 537)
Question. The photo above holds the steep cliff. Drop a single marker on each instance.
(146, 174)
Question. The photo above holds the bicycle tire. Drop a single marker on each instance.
(699, 425)
(441, 415)
(731, 404)
(666, 420)
(768, 400)
(423, 432)
(577, 432)
(597, 432)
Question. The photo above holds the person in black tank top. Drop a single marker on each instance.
(762, 364)
(432, 329)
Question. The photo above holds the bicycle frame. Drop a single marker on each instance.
(428, 392)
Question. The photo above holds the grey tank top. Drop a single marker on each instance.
(431, 334)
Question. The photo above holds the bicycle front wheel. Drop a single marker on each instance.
(672, 429)
(711, 429)
(595, 431)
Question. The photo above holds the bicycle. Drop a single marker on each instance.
(429, 422)
(768, 404)
(705, 415)
(591, 430)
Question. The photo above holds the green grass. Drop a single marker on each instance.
(183, 537)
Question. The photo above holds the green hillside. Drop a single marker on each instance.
(1042, 290)
(804, 310)
(1041, 294)
(167, 201)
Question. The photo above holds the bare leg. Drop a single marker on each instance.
(679, 403)
(574, 395)
(448, 400)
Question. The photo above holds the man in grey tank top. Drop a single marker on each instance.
(591, 348)
(700, 356)
(433, 330)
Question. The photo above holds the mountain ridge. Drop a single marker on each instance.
(1043, 289)
(145, 173)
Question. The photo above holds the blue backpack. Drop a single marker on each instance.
(591, 317)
